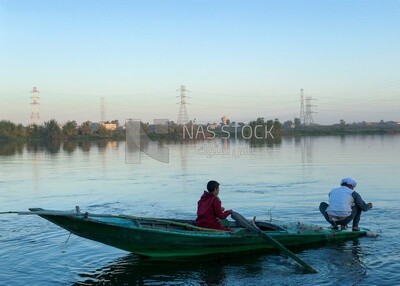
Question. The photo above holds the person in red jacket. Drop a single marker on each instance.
(209, 209)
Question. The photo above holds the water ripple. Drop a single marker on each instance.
(285, 184)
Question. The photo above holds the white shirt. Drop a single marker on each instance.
(340, 202)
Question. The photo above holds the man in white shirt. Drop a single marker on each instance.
(345, 205)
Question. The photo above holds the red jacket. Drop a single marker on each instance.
(209, 211)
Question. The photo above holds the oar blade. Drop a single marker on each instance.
(255, 229)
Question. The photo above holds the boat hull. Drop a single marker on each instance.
(130, 235)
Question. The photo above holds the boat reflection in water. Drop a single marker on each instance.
(134, 270)
(240, 269)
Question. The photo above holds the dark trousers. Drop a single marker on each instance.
(355, 215)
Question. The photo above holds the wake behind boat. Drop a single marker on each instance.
(160, 238)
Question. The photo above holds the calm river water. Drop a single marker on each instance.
(285, 182)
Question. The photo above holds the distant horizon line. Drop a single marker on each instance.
(62, 122)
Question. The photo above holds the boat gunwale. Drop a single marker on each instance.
(195, 231)
(209, 233)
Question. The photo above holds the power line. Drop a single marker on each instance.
(35, 118)
(102, 110)
(308, 120)
(302, 114)
(183, 115)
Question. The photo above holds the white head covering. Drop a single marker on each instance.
(349, 181)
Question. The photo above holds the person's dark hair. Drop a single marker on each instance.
(212, 185)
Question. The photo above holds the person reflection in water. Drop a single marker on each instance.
(345, 205)
(209, 209)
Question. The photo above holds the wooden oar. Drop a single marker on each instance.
(255, 229)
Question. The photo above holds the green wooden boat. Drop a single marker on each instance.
(155, 237)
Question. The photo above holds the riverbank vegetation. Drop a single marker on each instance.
(52, 131)
(258, 130)
(341, 128)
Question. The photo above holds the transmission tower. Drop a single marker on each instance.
(35, 118)
(183, 115)
(302, 115)
(308, 114)
(102, 110)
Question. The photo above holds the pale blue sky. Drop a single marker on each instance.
(243, 59)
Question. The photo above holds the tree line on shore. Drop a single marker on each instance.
(52, 131)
